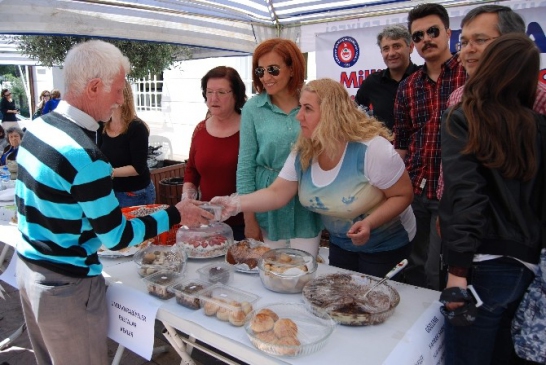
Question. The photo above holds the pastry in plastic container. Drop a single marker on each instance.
(218, 272)
(228, 304)
(187, 292)
(158, 283)
(206, 241)
(153, 258)
(244, 255)
(286, 270)
(288, 329)
(341, 295)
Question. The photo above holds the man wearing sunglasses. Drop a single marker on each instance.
(420, 101)
(377, 92)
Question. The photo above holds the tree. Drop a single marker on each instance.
(146, 57)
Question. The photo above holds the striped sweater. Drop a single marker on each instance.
(65, 203)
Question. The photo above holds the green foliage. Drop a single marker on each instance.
(146, 57)
(8, 69)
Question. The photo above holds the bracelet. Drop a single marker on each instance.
(458, 271)
(112, 174)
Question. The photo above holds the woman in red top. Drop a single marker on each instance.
(214, 149)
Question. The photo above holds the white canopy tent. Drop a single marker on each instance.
(214, 28)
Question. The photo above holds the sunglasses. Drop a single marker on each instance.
(272, 70)
(432, 32)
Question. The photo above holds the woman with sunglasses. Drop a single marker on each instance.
(212, 164)
(268, 131)
(344, 168)
(52, 103)
(44, 98)
(9, 110)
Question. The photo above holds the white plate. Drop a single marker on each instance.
(130, 251)
(244, 268)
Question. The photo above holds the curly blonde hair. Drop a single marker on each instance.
(340, 121)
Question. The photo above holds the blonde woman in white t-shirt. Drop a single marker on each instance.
(344, 168)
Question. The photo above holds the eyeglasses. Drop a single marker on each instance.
(7, 94)
(47, 95)
(272, 70)
(219, 93)
(432, 32)
(477, 42)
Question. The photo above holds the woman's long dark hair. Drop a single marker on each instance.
(498, 101)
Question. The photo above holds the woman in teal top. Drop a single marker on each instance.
(269, 129)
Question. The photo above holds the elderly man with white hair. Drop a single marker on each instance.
(67, 210)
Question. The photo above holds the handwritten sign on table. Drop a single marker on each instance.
(427, 333)
(131, 318)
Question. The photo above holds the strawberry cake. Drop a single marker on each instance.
(207, 241)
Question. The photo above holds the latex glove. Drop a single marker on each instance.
(231, 205)
(359, 233)
(191, 215)
(189, 194)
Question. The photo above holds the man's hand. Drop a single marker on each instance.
(191, 215)
(455, 281)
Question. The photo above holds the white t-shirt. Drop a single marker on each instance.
(383, 166)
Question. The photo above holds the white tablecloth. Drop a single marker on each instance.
(403, 339)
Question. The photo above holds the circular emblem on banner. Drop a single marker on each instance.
(346, 51)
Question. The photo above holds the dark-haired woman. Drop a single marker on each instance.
(9, 110)
(214, 149)
(489, 213)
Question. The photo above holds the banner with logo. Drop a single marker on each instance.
(350, 55)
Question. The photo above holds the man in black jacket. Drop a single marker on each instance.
(377, 92)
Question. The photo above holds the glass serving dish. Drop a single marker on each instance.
(207, 241)
(152, 258)
(342, 297)
(286, 270)
(228, 304)
(288, 329)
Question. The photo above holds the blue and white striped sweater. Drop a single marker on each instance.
(66, 206)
